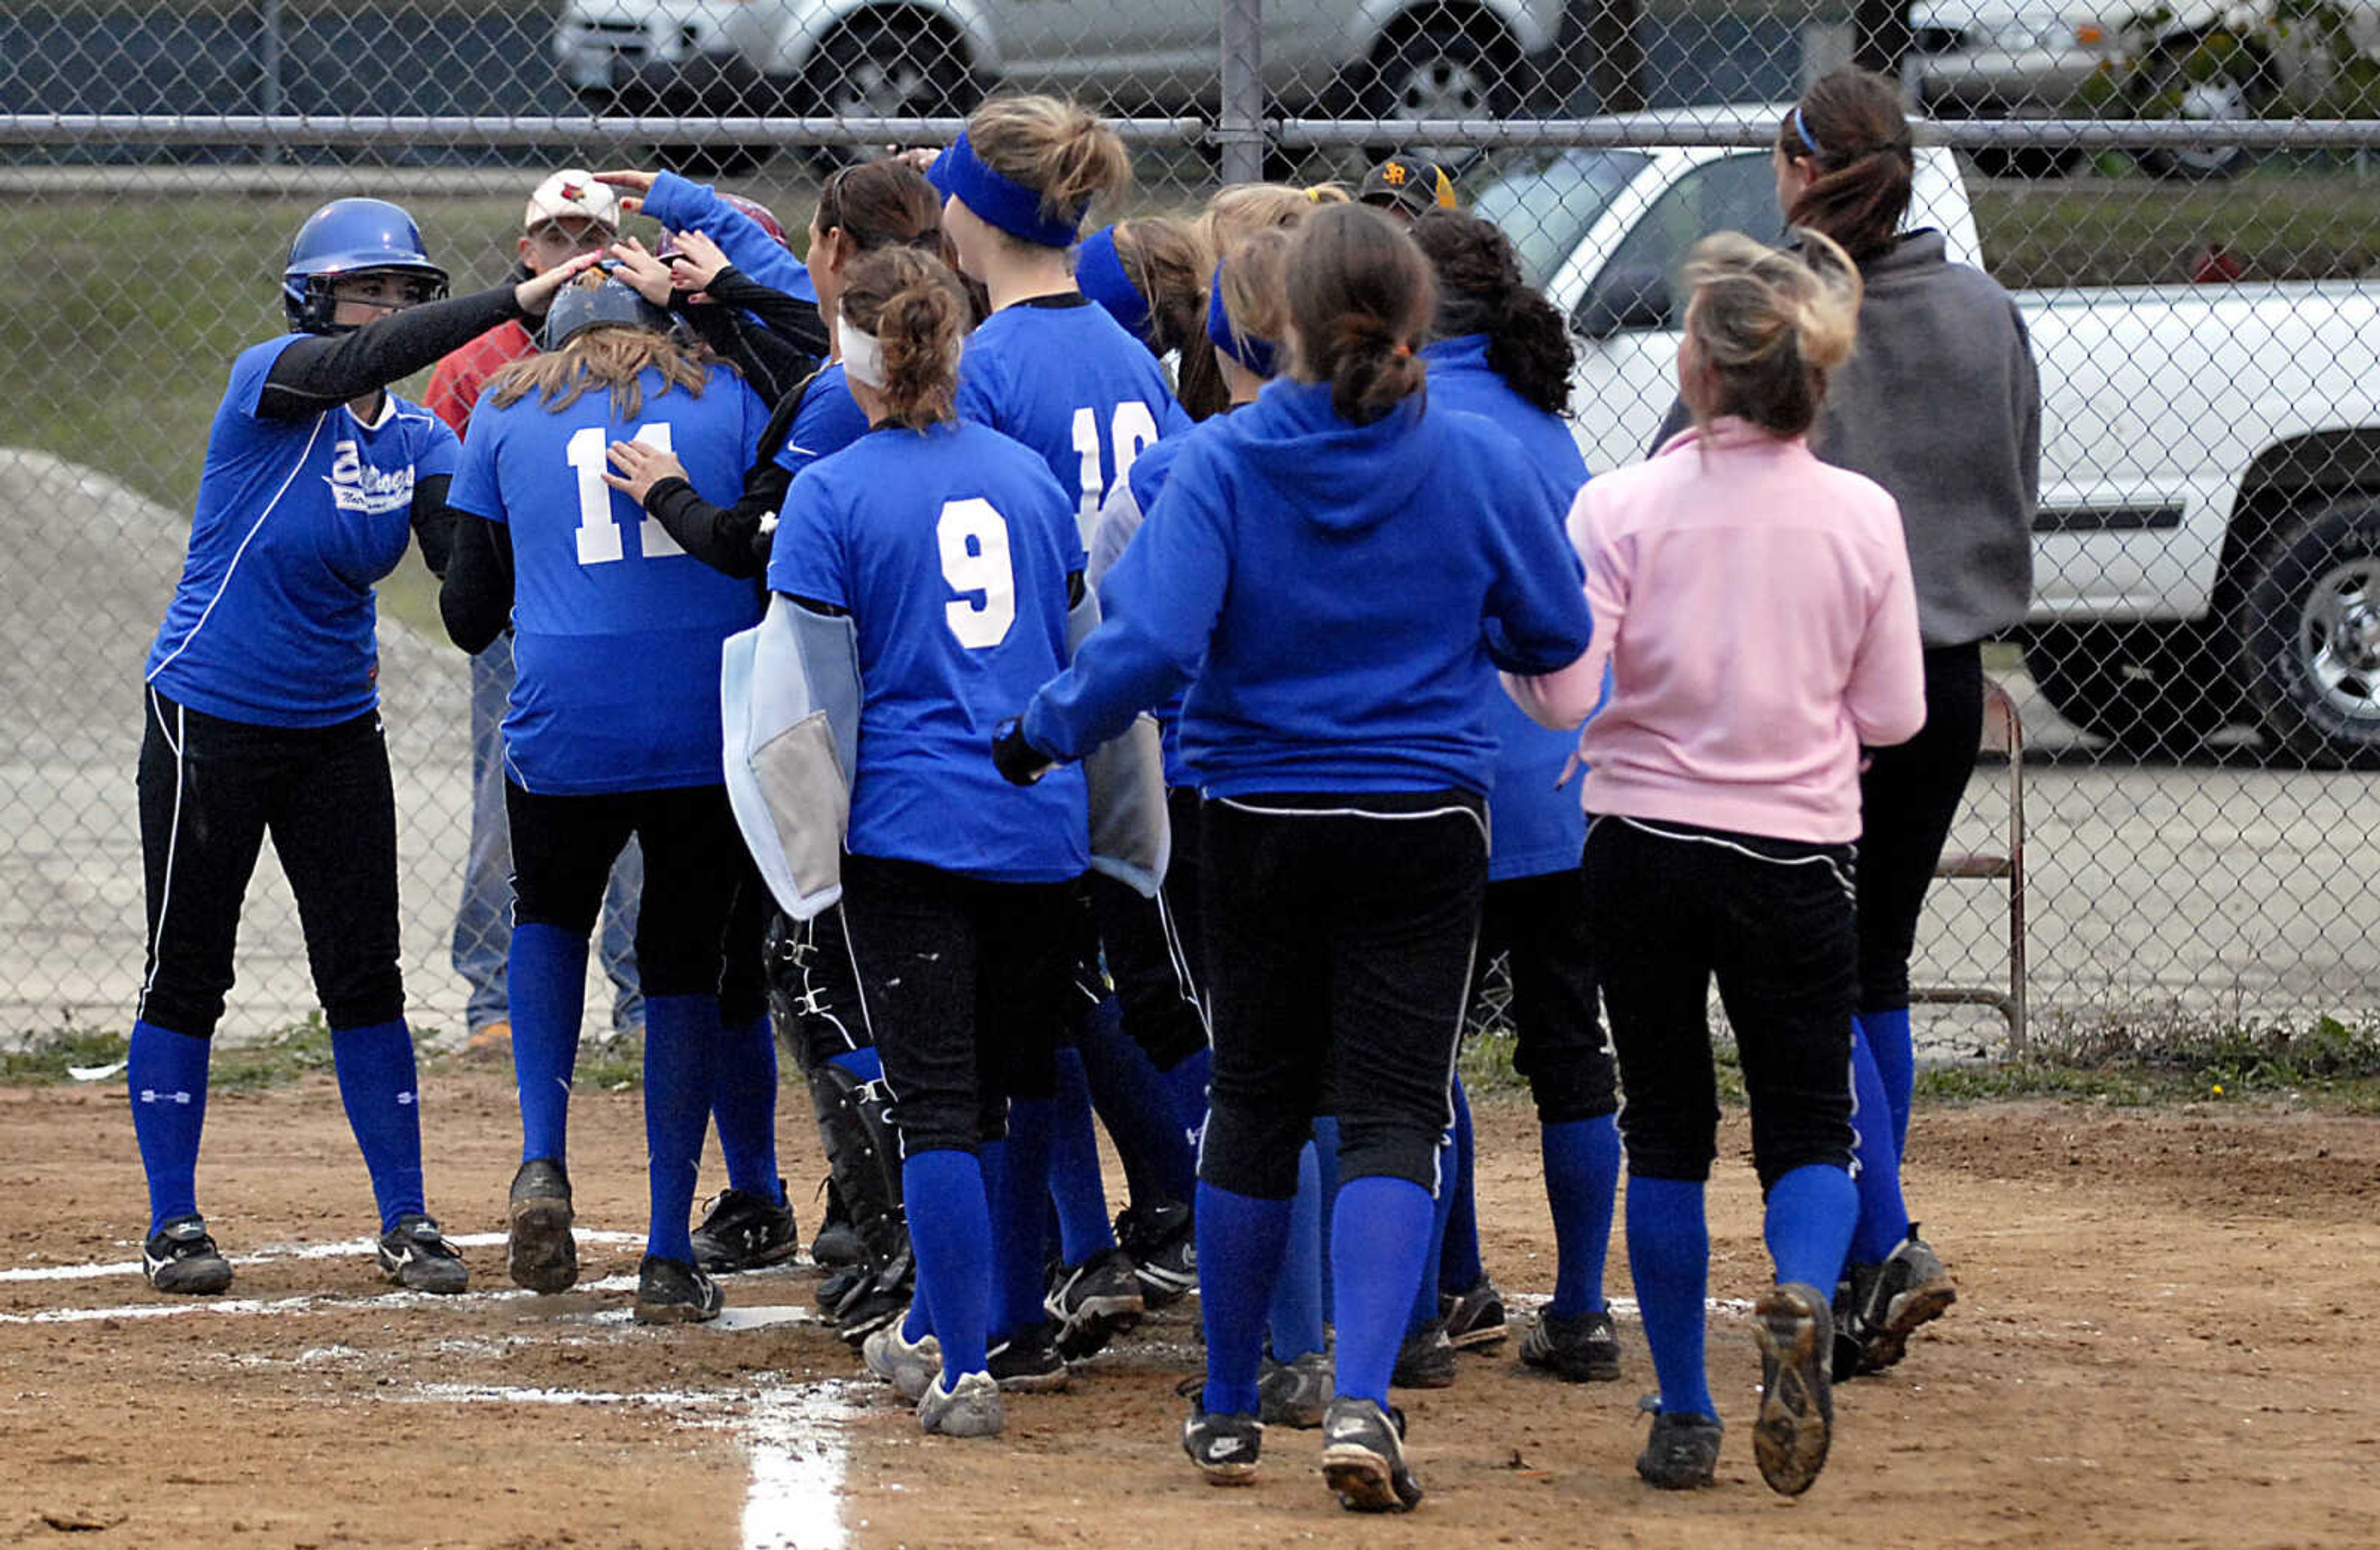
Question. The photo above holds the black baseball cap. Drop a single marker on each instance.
(1409, 183)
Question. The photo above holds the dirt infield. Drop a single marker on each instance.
(2163, 1340)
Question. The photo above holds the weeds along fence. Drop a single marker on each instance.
(2187, 209)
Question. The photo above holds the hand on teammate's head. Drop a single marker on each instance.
(536, 292)
(697, 262)
(637, 268)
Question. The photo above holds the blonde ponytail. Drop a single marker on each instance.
(1770, 325)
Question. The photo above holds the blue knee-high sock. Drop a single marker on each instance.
(744, 1106)
(1809, 1224)
(166, 1075)
(1459, 1268)
(1075, 1188)
(1186, 1084)
(383, 1096)
(1294, 1317)
(1581, 1160)
(1883, 1215)
(681, 1048)
(949, 1231)
(1019, 1195)
(1896, 1063)
(1326, 1164)
(1669, 1254)
(1137, 1108)
(1240, 1241)
(1377, 1250)
(1422, 1312)
(863, 1064)
(545, 979)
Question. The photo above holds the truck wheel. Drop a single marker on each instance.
(886, 67)
(2308, 625)
(1441, 70)
(2213, 79)
(2146, 688)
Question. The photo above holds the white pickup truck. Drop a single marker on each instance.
(2208, 547)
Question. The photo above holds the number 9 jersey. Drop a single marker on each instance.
(950, 549)
(616, 629)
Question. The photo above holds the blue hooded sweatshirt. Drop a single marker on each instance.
(1535, 826)
(1343, 595)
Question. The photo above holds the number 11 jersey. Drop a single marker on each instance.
(950, 549)
(616, 629)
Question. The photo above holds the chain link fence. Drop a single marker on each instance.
(2185, 200)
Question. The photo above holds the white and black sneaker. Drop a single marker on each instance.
(1094, 1302)
(414, 1255)
(743, 1232)
(1576, 1347)
(910, 1366)
(1028, 1363)
(1294, 1394)
(972, 1409)
(180, 1257)
(1364, 1457)
(538, 1251)
(1162, 1240)
(1225, 1447)
(673, 1292)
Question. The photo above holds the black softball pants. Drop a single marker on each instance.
(968, 986)
(211, 791)
(1673, 906)
(1908, 795)
(1151, 946)
(1340, 931)
(562, 851)
(1539, 924)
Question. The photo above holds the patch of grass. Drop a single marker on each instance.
(2285, 222)
(46, 1059)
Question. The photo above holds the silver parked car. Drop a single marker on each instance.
(1388, 59)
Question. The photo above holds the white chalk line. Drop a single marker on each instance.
(359, 1247)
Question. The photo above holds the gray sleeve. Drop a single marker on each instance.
(1118, 520)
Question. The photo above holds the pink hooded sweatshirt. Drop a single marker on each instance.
(1756, 607)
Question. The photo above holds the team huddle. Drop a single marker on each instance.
(1053, 678)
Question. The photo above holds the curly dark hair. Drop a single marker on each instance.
(1480, 290)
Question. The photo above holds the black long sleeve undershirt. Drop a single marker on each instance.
(476, 600)
(322, 370)
(728, 538)
(433, 522)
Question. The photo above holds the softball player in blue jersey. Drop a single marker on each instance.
(936, 560)
(262, 713)
(614, 730)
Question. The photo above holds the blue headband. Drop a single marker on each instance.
(1801, 127)
(1255, 354)
(1100, 273)
(958, 172)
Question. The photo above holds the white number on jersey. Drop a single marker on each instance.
(973, 540)
(598, 534)
(1130, 429)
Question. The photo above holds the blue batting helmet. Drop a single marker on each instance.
(580, 306)
(350, 236)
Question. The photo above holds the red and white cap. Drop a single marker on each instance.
(572, 193)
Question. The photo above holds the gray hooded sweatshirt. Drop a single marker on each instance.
(1940, 404)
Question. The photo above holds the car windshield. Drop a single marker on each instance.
(1549, 208)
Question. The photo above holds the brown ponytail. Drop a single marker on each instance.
(1851, 129)
(1058, 148)
(1360, 295)
(1168, 265)
(880, 204)
(1480, 290)
(1770, 325)
(913, 306)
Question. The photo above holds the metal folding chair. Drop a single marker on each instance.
(2003, 733)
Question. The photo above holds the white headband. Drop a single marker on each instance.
(863, 358)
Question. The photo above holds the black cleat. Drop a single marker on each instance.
(1225, 1447)
(1363, 1457)
(1576, 1347)
(1425, 1360)
(1796, 1330)
(1028, 1363)
(1889, 1302)
(414, 1255)
(1294, 1394)
(1094, 1302)
(672, 1291)
(1163, 1243)
(745, 1231)
(538, 1251)
(1474, 1318)
(180, 1257)
(1682, 1452)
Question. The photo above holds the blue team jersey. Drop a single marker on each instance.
(616, 629)
(950, 549)
(829, 420)
(1061, 376)
(1534, 825)
(273, 620)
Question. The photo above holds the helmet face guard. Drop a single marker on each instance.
(342, 240)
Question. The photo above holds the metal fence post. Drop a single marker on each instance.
(268, 61)
(1240, 126)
